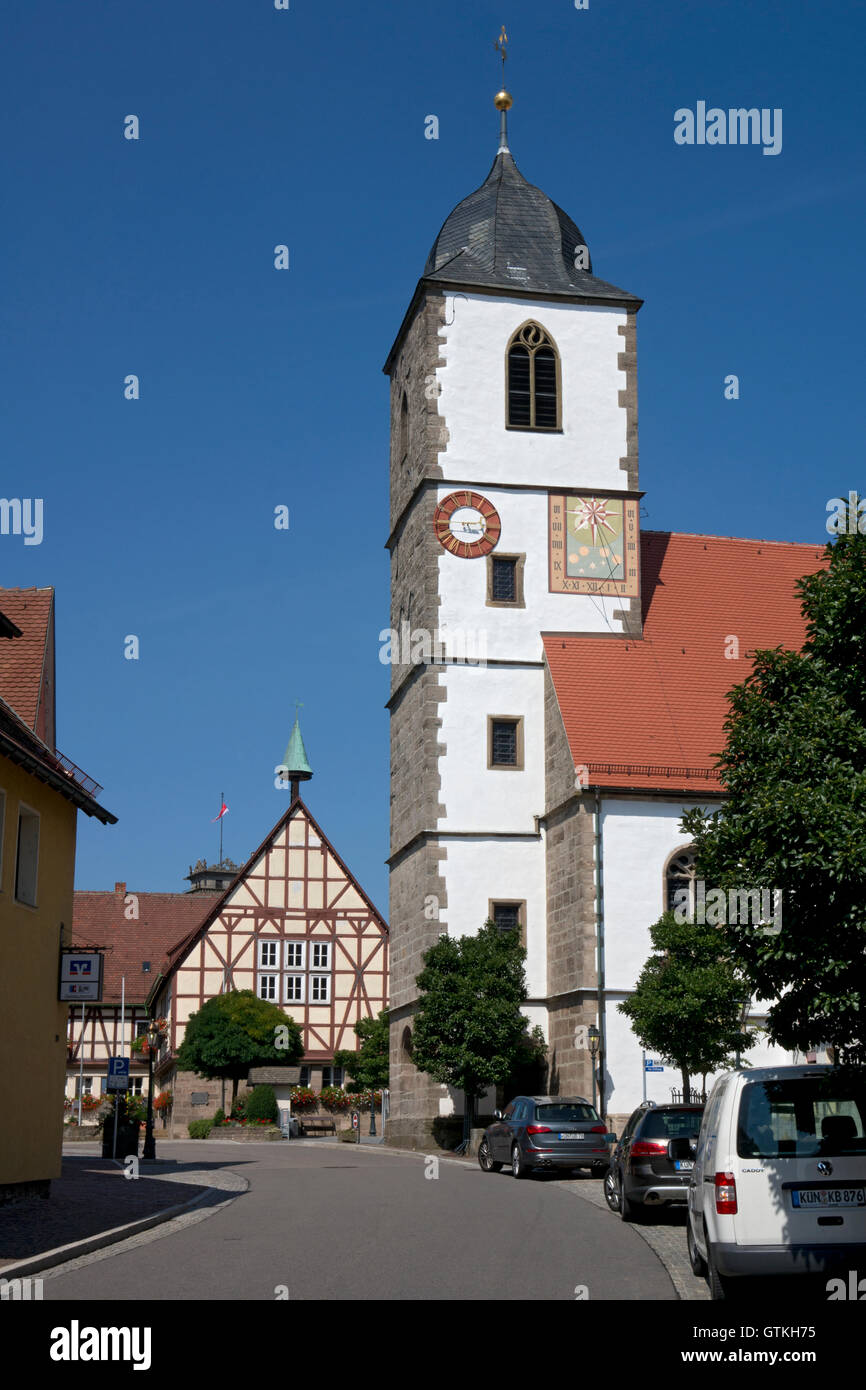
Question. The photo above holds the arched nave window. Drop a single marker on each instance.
(532, 380)
(679, 876)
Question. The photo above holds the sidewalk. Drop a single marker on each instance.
(92, 1204)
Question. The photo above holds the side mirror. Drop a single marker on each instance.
(610, 1138)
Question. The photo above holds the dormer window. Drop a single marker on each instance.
(532, 380)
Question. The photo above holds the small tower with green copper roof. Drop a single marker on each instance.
(295, 762)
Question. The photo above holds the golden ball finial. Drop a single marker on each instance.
(503, 100)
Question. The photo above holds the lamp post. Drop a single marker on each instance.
(154, 1035)
(373, 1112)
(594, 1038)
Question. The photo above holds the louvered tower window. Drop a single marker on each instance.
(533, 383)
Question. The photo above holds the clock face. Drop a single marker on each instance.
(467, 524)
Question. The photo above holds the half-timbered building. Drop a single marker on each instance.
(135, 931)
(296, 927)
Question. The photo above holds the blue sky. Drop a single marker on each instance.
(261, 388)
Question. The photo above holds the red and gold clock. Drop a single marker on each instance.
(467, 525)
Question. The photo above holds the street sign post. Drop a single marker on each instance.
(118, 1074)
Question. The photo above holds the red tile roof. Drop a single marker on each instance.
(23, 660)
(649, 713)
(98, 920)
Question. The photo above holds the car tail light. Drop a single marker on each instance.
(598, 1129)
(647, 1148)
(538, 1129)
(726, 1193)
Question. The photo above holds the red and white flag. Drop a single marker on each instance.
(223, 811)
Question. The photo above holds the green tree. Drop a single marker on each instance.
(688, 999)
(233, 1032)
(794, 767)
(368, 1068)
(469, 1030)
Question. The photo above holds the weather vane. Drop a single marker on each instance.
(501, 46)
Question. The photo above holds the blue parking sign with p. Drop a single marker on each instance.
(118, 1073)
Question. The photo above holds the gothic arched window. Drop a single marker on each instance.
(680, 878)
(532, 380)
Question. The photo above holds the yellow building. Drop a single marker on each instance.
(40, 795)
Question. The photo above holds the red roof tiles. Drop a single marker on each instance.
(649, 713)
(98, 920)
(27, 662)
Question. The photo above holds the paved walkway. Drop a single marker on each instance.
(93, 1204)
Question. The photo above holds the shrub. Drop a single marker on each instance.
(199, 1129)
(239, 1109)
(348, 1136)
(262, 1105)
(220, 1117)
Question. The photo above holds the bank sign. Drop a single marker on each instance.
(80, 977)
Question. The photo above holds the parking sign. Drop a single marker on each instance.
(118, 1074)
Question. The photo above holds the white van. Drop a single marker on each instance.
(779, 1182)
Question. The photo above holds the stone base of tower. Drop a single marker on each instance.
(569, 1069)
(420, 1108)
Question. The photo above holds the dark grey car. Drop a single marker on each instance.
(545, 1132)
(652, 1164)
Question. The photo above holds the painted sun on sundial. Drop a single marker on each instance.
(593, 544)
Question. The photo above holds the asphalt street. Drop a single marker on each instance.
(325, 1221)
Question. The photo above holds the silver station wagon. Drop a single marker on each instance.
(545, 1132)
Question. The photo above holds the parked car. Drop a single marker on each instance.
(779, 1182)
(651, 1164)
(544, 1132)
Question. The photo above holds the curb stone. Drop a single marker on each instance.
(229, 1183)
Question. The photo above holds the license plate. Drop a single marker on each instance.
(571, 1136)
(829, 1197)
(684, 1165)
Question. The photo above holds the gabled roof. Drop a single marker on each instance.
(183, 945)
(649, 713)
(21, 746)
(26, 661)
(98, 920)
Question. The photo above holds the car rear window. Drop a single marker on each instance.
(671, 1124)
(802, 1117)
(565, 1114)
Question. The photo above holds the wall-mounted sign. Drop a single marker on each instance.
(80, 976)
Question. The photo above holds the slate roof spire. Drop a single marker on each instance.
(509, 235)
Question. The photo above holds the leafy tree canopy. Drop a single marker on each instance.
(795, 769)
(687, 1003)
(368, 1067)
(233, 1032)
(469, 1031)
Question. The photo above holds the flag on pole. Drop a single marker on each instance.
(223, 811)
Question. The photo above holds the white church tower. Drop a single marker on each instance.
(514, 512)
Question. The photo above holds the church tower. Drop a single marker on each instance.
(514, 512)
